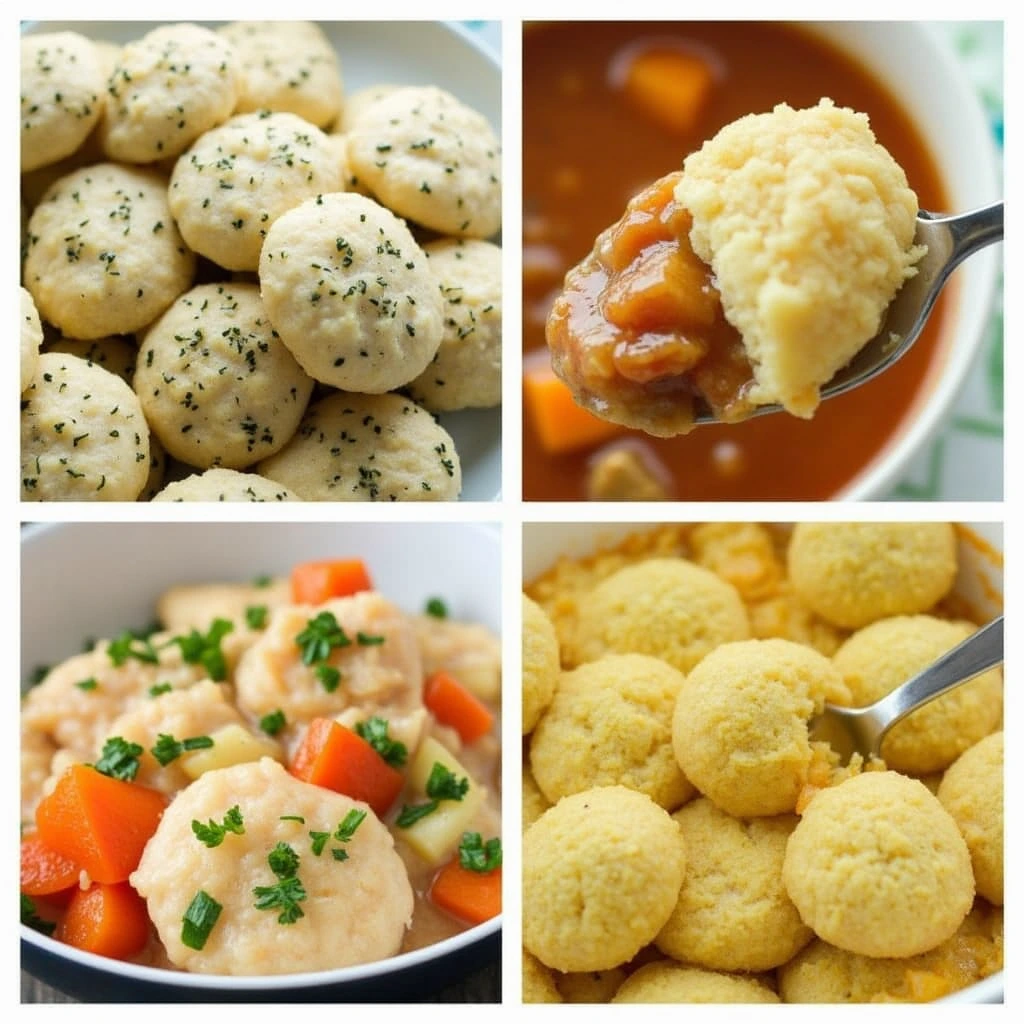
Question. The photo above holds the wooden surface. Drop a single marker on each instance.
(483, 986)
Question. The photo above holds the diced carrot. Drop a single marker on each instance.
(110, 920)
(473, 896)
(561, 424)
(671, 87)
(317, 582)
(99, 822)
(452, 704)
(337, 758)
(44, 871)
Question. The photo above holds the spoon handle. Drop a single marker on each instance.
(972, 231)
(980, 652)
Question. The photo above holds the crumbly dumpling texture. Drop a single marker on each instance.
(590, 986)
(854, 573)
(733, 913)
(882, 656)
(878, 867)
(83, 434)
(610, 723)
(666, 981)
(115, 353)
(665, 607)
(216, 382)
(358, 102)
(62, 95)
(535, 803)
(239, 177)
(351, 293)
(465, 372)
(538, 982)
(740, 726)
(31, 338)
(166, 89)
(972, 791)
(355, 911)
(104, 255)
(808, 224)
(225, 485)
(432, 159)
(601, 872)
(540, 662)
(287, 66)
(352, 447)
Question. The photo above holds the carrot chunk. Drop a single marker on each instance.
(562, 425)
(452, 704)
(44, 871)
(110, 920)
(671, 87)
(337, 758)
(99, 822)
(317, 582)
(473, 896)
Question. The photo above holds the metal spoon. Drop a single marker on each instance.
(950, 238)
(861, 730)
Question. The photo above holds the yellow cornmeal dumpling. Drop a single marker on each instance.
(665, 607)
(535, 803)
(590, 986)
(740, 726)
(880, 657)
(733, 913)
(972, 792)
(824, 974)
(666, 981)
(540, 662)
(601, 872)
(808, 224)
(855, 573)
(538, 982)
(878, 867)
(610, 723)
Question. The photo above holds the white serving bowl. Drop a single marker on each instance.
(397, 53)
(980, 583)
(95, 579)
(920, 69)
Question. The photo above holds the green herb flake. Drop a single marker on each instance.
(477, 855)
(273, 722)
(256, 616)
(199, 919)
(119, 759)
(328, 676)
(31, 918)
(321, 635)
(204, 649)
(375, 731)
(288, 892)
(160, 689)
(318, 840)
(211, 834)
(442, 784)
(87, 684)
(437, 608)
(131, 645)
(167, 748)
(368, 640)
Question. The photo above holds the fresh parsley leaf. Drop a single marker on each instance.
(262, 581)
(87, 684)
(437, 608)
(366, 640)
(318, 840)
(273, 722)
(204, 649)
(159, 689)
(199, 919)
(283, 861)
(347, 829)
(212, 834)
(375, 731)
(293, 817)
(329, 677)
(32, 919)
(256, 616)
(119, 759)
(339, 854)
(130, 645)
(167, 748)
(441, 785)
(288, 892)
(410, 814)
(321, 635)
(476, 855)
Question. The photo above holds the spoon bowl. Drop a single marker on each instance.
(950, 239)
(852, 731)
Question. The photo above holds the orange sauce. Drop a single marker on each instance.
(587, 150)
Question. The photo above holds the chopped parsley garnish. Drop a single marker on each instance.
(367, 640)
(32, 919)
(437, 608)
(256, 616)
(262, 581)
(199, 920)
(441, 785)
(130, 645)
(288, 892)
(212, 834)
(293, 817)
(273, 722)
(349, 824)
(476, 855)
(167, 748)
(159, 689)
(38, 674)
(119, 759)
(329, 677)
(375, 731)
(204, 649)
(87, 684)
(318, 840)
(321, 635)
